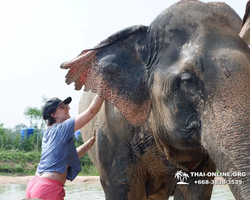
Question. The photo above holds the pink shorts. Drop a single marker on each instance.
(43, 188)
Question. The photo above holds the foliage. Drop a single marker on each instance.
(18, 128)
(19, 162)
(17, 142)
(5, 168)
(25, 163)
(89, 170)
(5, 139)
(35, 116)
(85, 160)
(20, 156)
(10, 139)
(1, 129)
(18, 168)
(33, 142)
(78, 141)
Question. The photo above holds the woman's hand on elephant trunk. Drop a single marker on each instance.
(81, 150)
(93, 138)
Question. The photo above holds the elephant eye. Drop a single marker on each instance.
(188, 84)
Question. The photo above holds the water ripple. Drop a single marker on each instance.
(90, 191)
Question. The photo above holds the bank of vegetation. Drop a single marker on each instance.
(20, 156)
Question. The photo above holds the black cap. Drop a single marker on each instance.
(51, 105)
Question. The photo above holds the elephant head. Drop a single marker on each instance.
(188, 75)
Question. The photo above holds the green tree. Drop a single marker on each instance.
(18, 128)
(17, 142)
(2, 133)
(16, 135)
(27, 143)
(1, 129)
(35, 115)
(5, 138)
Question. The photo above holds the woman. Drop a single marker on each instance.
(60, 158)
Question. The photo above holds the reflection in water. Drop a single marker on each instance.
(90, 191)
(12, 191)
(222, 192)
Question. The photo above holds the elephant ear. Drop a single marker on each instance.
(245, 29)
(115, 71)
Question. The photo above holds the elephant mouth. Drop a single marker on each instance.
(193, 165)
(189, 136)
(187, 160)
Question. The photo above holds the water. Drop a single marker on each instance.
(90, 191)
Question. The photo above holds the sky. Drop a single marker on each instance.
(38, 35)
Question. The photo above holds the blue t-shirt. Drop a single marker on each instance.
(58, 150)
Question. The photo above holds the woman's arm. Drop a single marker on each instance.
(81, 150)
(87, 115)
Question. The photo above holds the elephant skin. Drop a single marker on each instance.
(177, 98)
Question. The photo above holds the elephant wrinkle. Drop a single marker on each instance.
(177, 98)
(120, 182)
(176, 109)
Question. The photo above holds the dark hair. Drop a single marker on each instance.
(51, 121)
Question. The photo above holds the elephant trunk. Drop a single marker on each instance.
(228, 143)
(237, 162)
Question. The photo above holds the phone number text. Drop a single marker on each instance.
(218, 182)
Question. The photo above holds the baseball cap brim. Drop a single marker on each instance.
(66, 101)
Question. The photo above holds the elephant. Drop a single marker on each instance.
(177, 99)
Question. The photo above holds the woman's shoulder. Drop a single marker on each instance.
(68, 122)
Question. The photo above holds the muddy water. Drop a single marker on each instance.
(92, 191)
